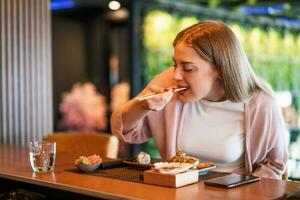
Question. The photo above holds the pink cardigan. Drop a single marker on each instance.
(265, 148)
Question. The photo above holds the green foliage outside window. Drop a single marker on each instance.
(271, 52)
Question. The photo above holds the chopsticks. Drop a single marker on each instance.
(151, 95)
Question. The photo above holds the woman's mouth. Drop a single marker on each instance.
(181, 89)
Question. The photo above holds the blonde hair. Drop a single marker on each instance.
(216, 43)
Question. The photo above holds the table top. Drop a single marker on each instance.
(15, 165)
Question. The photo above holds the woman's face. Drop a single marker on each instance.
(200, 76)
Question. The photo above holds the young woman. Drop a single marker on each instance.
(226, 114)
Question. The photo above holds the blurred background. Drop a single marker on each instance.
(104, 52)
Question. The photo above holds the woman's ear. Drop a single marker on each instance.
(219, 75)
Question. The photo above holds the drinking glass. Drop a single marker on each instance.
(42, 155)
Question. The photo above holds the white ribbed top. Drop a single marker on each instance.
(214, 131)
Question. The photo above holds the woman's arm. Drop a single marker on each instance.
(135, 110)
(132, 112)
(129, 122)
(269, 153)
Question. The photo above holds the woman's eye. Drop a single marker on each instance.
(188, 69)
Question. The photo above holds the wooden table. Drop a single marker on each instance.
(15, 166)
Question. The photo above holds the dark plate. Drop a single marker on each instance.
(111, 163)
(138, 165)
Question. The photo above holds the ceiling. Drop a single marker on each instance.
(286, 13)
(272, 8)
(283, 14)
(289, 9)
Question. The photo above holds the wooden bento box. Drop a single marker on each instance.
(171, 180)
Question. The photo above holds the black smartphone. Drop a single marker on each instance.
(232, 180)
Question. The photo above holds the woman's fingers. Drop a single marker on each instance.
(159, 102)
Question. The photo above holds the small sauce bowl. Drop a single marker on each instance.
(88, 168)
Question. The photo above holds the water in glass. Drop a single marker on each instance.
(42, 156)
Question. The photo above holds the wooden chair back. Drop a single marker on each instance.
(86, 143)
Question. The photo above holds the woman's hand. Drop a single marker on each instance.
(158, 102)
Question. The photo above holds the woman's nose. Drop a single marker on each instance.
(177, 75)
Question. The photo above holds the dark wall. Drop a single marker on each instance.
(69, 56)
(120, 47)
(98, 48)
